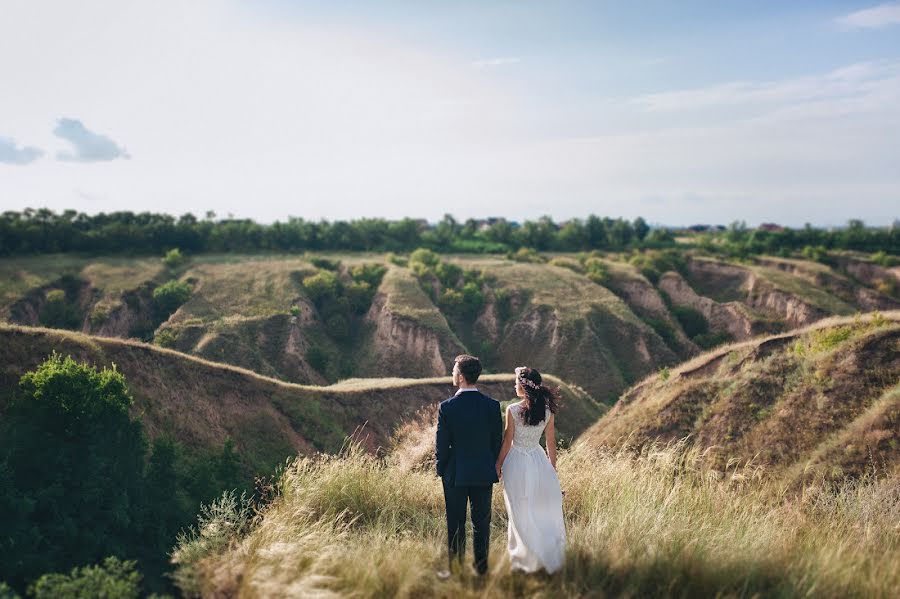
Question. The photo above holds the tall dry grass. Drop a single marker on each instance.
(652, 524)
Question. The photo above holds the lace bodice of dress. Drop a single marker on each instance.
(527, 436)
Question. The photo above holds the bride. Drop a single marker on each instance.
(531, 491)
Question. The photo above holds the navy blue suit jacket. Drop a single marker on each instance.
(469, 436)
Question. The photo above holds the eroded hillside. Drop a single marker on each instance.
(602, 321)
(821, 400)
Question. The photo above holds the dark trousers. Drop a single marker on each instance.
(456, 500)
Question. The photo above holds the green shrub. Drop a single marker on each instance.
(663, 329)
(650, 273)
(692, 321)
(360, 296)
(457, 291)
(884, 259)
(99, 315)
(170, 296)
(114, 579)
(815, 253)
(596, 271)
(218, 524)
(173, 258)
(525, 254)
(504, 303)
(325, 263)
(295, 310)
(829, 338)
(337, 326)
(425, 257)
(652, 263)
(57, 312)
(339, 302)
(368, 273)
(165, 338)
(317, 358)
(449, 275)
(322, 287)
(397, 260)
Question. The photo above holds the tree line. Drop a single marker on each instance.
(45, 231)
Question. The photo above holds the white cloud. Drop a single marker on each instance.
(88, 146)
(10, 153)
(876, 17)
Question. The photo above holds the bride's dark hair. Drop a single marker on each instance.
(538, 397)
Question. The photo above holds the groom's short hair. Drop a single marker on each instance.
(469, 367)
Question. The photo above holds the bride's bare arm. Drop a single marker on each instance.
(551, 440)
(507, 440)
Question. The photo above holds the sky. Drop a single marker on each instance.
(682, 112)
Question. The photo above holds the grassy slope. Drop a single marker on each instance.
(815, 296)
(110, 277)
(202, 402)
(660, 525)
(20, 275)
(823, 397)
(405, 298)
(246, 288)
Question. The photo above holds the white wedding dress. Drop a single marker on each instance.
(537, 532)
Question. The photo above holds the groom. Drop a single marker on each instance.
(469, 436)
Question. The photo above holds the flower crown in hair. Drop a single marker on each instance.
(520, 373)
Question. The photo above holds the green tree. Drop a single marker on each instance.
(75, 461)
(641, 228)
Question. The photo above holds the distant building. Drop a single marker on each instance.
(483, 224)
(770, 227)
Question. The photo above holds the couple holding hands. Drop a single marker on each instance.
(473, 451)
